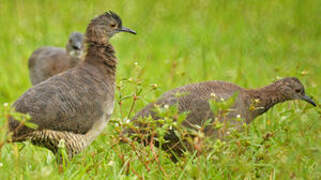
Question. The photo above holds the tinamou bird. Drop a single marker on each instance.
(194, 100)
(48, 61)
(74, 106)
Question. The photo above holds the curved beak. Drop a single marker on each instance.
(125, 29)
(308, 99)
(78, 45)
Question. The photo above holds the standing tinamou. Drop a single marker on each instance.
(74, 106)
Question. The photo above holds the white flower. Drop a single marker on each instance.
(1, 164)
(126, 120)
(213, 95)
(278, 77)
(111, 163)
(166, 106)
(238, 116)
(5, 104)
(61, 143)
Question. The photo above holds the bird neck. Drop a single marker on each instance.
(262, 99)
(101, 53)
(68, 48)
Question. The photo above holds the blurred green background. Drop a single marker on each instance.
(247, 42)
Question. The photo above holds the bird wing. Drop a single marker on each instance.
(71, 101)
(46, 62)
(194, 99)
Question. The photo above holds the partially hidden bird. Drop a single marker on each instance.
(194, 100)
(48, 61)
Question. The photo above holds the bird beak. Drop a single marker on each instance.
(309, 100)
(78, 46)
(125, 29)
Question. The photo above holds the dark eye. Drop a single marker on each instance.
(113, 25)
(298, 90)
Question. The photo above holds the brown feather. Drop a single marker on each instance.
(248, 104)
(46, 62)
(75, 105)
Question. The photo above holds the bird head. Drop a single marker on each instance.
(103, 27)
(291, 88)
(75, 45)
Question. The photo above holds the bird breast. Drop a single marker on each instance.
(100, 124)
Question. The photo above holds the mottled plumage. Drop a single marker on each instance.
(74, 106)
(248, 104)
(49, 61)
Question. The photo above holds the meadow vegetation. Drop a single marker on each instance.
(250, 43)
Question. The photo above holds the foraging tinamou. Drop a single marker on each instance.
(74, 106)
(49, 61)
(248, 104)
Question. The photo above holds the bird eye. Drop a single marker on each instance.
(113, 25)
(298, 90)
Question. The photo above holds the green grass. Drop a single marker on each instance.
(249, 42)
